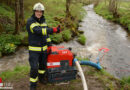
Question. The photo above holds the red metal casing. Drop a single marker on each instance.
(57, 54)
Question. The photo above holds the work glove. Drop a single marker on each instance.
(57, 29)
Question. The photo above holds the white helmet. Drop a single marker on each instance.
(39, 7)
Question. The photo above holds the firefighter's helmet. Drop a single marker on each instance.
(39, 7)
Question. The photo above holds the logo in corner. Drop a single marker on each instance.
(5, 85)
(1, 84)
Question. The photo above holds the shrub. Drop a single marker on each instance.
(66, 35)
(24, 38)
(9, 28)
(56, 38)
(8, 42)
(82, 39)
(9, 48)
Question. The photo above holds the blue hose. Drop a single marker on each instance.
(90, 63)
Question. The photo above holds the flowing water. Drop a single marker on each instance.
(18, 58)
(99, 33)
(102, 33)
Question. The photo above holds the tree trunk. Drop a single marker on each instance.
(96, 2)
(21, 15)
(113, 4)
(106, 2)
(68, 8)
(16, 17)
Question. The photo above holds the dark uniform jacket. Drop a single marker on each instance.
(38, 34)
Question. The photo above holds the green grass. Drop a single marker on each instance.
(123, 11)
(56, 8)
(125, 82)
(79, 58)
(17, 73)
(82, 39)
(102, 10)
(107, 81)
(53, 8)
(67, 35)
(7, 16)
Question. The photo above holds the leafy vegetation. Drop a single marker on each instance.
(125, 82)
(18, 72)
(8, 43)
(6, 11)
(82, 39)
(56, 38)
(106, 81)
(67, 35)
(53, 9)
(123, 11)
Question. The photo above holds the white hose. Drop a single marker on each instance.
(82, 75)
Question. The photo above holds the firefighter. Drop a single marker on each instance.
(39, 41)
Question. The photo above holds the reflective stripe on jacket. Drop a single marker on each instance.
(38, 33)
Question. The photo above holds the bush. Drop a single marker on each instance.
(8, 42)
(9, 28)
(9, 48)
(82, 39)
(24, 38)
(56, 38)
(66, 35)
(5, 10)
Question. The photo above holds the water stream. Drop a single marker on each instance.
(99, 33)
